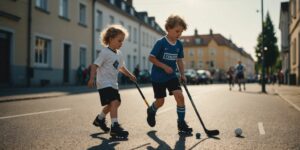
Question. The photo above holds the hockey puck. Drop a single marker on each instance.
(198, 135)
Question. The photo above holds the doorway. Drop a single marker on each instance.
(66, 69)
(5, 48)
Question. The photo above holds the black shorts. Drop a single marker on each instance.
(108, 94)
(160, 88)
(240, 76)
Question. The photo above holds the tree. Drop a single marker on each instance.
(271, 52)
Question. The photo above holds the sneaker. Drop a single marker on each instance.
(101, 123)
(118, 131)
(183, 127)
(151, 117)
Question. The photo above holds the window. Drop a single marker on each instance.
(129, 31)
(99, 20)
(132, 11)
(82, 14)
(294, 52)
(200, 64)
(147, 39)
(122, 23)
(63, 8)
(143, 38)
(82, 56)
(200, 53)
(112, 2)
(123, 5)
(42, 52)
(134, 35)
(134, 61)
(144, 62)
(42, 4)
(212, 52)
(129, 62)
(192, 64)
(198, 41)
(112, 19)
(191, 52)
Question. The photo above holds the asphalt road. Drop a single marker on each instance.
(267, 121)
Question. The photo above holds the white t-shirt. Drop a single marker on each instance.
(108, 63)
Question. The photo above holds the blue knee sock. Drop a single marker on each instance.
(181, 113)
(152, 108)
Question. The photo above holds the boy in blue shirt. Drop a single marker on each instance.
(240, 69)
(166, 55)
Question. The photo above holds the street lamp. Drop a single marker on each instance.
(263, 85)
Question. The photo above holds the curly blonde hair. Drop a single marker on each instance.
(173, 21)
(112, 31)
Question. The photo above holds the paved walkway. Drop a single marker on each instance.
(291, 94)
(18, 94)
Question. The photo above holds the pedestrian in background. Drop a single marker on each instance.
(230, 77)
(240, 76)
(106, 67)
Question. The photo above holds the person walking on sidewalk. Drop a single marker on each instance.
(166, 54)
(106, 67)
(240, 76)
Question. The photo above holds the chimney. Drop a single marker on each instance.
(210, 31)
(196, 32)
(129, 2)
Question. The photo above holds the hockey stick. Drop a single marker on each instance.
(137, 86)
(209, 133)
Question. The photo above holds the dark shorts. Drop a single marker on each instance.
(108, 94)
(240, 76)
(160, 88)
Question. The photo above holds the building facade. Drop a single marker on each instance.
(143, 30)
(294, 32)
(45, 42)
(285, 49)
(215, 53)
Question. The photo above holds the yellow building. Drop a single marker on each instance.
(215, 53)
(294, 31)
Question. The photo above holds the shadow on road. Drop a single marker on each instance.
(180, 144)
(162, 144)
(106, 143)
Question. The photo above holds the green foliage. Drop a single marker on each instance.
(271, 51)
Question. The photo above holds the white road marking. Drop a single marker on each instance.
(291, 103)
(35, 113)
(164, 110)
(261, 128)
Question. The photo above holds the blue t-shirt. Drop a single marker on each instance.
(168, 54)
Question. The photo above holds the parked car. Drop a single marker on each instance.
(204, 77)
(144, 76)
(191, 76)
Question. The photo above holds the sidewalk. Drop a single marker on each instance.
(290, 94)
(18, 94)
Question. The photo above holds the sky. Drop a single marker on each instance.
(238, 20)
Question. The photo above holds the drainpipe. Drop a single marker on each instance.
(93, 30)
(29, 71)
(139, 44)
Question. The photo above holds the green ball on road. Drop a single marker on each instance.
(238, 132)
(198, 135)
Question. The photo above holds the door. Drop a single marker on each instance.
(5, 48)
(66, 70)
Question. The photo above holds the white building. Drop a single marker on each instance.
(143, 30)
